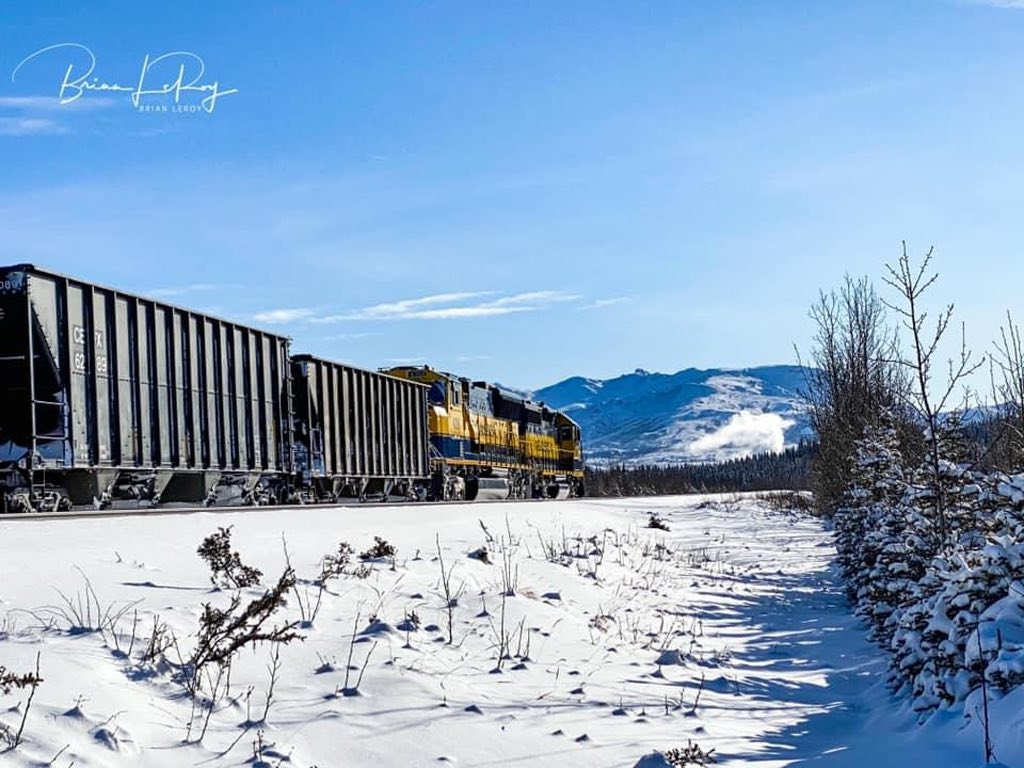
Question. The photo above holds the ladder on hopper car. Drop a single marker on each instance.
(26, 466)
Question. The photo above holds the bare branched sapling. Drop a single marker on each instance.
(911, 283)
(451, 600)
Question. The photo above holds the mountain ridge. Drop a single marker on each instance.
(692, 415)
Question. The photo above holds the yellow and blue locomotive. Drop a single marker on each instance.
(489, 443)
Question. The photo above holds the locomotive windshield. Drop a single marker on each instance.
(436, 395)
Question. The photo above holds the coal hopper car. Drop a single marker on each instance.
(358, 433)
(108, 397)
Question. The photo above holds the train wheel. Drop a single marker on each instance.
(455, 488)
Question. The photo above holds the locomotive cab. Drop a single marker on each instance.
(492, 443)
(570, 452)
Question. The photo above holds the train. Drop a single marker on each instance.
(109, 399)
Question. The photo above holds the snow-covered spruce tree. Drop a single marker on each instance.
(969, 595)
(958, 483)
(998, 647)
(876, 484)
(978, 580)
(1003, 505)
(934, 557)
(929, 557)
(850, 525)
(899, 537)
(912, 644)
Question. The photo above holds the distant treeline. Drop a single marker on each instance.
(789, 470)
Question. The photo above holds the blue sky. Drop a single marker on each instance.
(525, 191)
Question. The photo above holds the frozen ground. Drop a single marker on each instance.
(736, 595)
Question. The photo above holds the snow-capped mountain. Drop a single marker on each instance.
(690, 416)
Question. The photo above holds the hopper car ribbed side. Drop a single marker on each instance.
(358, 433)
(106, 396)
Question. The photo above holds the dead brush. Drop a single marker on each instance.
(353, 690)
(160, 640)
(226, 567)
(690, 755)
(507, 549)
(309, 593)
(663, 551)
(451, 597)
(336, 564)
(697, 558)
(223, 632)
(273, 673)
(84, 613)
(380, 550)
(656, 521)
(509, 568)
(12, 681)
(558, 551)
(787, 501)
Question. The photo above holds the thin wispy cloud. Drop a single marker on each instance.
(181, 290)
(349, 336)
(445, 313)
(1017, 4)
(426, 308)
(410, 306)
(29, 126)
(282, 316)
(535, 297)
(602, 303)
(440, 306)
(51, 103)
(34, 115)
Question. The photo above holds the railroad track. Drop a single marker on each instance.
(184, 510)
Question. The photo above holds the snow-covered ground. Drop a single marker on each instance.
(729, 630)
